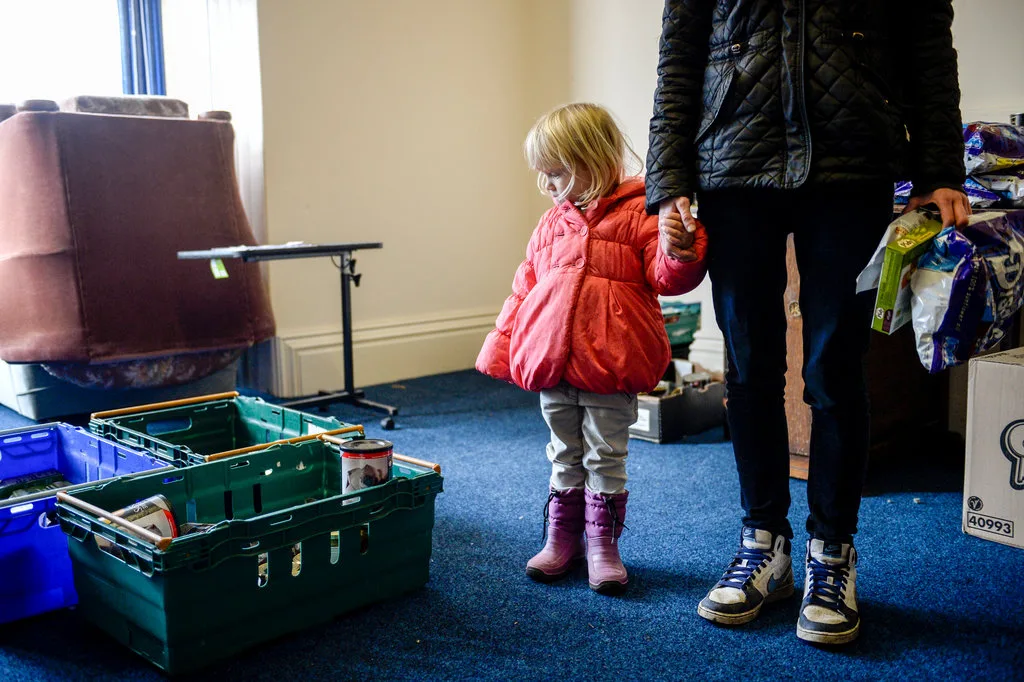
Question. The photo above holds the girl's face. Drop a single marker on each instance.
(558, 179)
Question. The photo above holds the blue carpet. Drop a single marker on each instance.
(936, 604)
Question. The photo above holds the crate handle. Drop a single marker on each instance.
(164, 405)
(263, 446)
(401, 458)
(159, 541)
(418, 462)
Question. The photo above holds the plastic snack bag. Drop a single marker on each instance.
(980, 194)
(1000, 243)
(992, 147)
(967, 288)
(1008, 185)
(948, 301)
(901, 192)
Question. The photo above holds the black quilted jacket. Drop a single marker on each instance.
(779, 93)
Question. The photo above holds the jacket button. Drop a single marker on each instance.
(580, 262)
(583, 231)
(736, 49)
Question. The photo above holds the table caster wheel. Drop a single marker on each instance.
(387, 423)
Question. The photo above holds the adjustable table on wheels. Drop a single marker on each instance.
(344, 251)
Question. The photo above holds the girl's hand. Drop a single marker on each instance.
(676, 225)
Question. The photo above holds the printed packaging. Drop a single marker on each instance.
(892, 265)
(994, 472)
(365, 462)
(967, 289)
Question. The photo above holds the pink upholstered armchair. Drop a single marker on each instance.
(93, 210)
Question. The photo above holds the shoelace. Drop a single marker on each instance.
(544, 532)
(614, 513)
(745, 565)
(827, 584)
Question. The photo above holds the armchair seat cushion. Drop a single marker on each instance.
(170, 370)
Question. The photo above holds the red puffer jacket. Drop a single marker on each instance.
(584, 305)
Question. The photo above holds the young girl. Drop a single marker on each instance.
(583, 326)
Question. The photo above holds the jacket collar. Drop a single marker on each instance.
(627, 189)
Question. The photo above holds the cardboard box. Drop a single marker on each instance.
(672, 411)
(892, 303)
(994, 471)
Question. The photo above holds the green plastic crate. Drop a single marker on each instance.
(187, 432)
(682, 320)
(208, 596)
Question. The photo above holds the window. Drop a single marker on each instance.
(54, 49)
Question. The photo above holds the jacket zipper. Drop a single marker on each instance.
(802, 95)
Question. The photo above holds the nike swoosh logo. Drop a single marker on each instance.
(772, 584)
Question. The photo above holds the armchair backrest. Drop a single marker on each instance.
(93, 210)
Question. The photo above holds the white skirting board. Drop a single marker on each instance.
(303, 362)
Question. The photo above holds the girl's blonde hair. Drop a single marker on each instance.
(580, 136)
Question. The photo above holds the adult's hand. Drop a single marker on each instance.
(676, 226)
(953, 205)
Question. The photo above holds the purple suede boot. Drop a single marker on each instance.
(605, 514)
(563, 524)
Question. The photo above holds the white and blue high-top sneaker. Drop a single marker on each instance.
(829, 614)
(760, 573)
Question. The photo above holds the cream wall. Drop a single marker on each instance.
(987, 34)
(400, 122)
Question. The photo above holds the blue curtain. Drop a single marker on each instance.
(142, 47)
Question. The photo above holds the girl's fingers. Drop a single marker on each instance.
(678, 236)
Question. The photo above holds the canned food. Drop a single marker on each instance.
(39, 488)
(153, 513)
(696, 380)
(193, 528)
(365, 462)
(19, 486)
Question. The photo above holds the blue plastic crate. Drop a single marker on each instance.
(35, 570)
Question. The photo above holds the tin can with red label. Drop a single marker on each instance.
(153, 513)
(365, 462)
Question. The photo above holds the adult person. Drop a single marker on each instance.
(796, 116)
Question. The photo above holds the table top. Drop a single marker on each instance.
(278, 251)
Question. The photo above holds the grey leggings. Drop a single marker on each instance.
(589, 436)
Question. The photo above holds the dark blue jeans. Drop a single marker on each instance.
(835, 231)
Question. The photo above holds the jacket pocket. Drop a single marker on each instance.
(718, 79)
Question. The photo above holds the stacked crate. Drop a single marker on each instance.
(275, 546)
